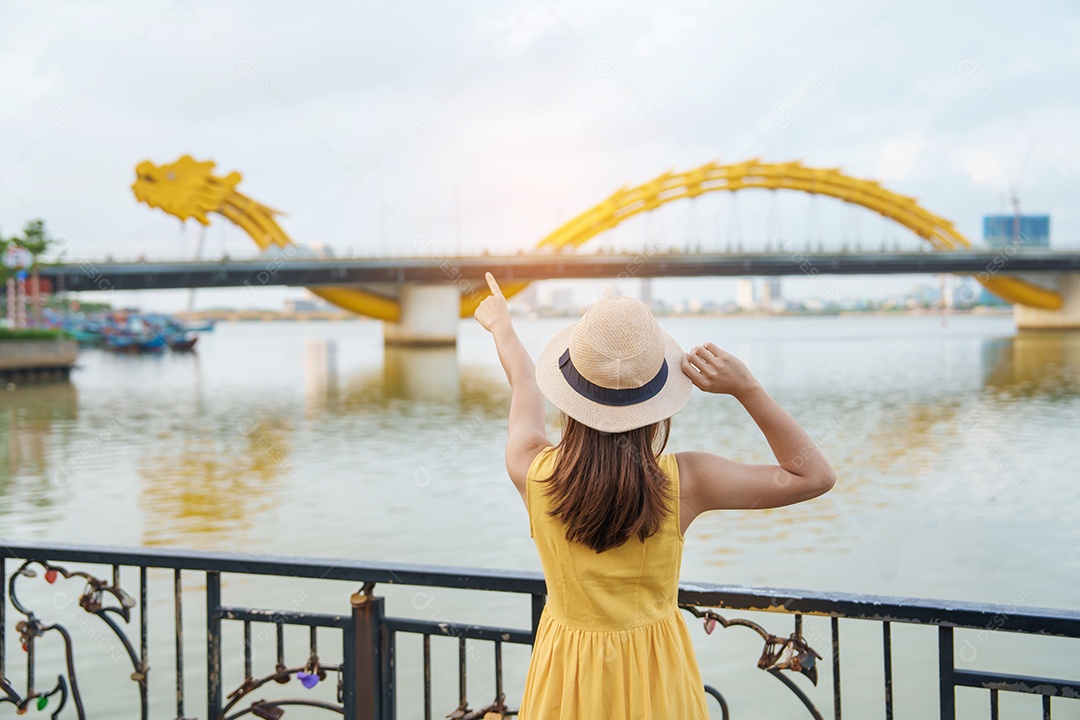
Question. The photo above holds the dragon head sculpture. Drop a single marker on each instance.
(186, 188)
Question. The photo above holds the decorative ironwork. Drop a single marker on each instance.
(309, 675)
(93, 601)
(790, 653)
(365, 681)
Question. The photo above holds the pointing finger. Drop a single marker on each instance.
(492, 284)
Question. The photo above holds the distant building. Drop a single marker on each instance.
(744, 294)
(967, 291)
(770, 294)
(562, 299)
(530, 296)
(646, 291)
(927, 294)
(301, 306)
(321, 249)
(1001, 231)
(990, 299)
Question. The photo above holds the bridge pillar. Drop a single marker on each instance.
(1065, 318)
(429, 316)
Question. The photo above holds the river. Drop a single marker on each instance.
(955, 443)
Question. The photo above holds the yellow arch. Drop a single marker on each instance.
(712, 177)
(188, 188)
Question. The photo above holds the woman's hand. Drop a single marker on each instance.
(716, 371)
(493, 310)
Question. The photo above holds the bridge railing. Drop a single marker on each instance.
(438, 254)
(217, 655)
(74, 255)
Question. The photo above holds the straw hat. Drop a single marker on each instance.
(615, 369)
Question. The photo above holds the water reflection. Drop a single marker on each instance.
(421, 374)
(896, 452)
(213, 486)
(320, 374)
(1033, 365)
(29, 419)
(424, 378)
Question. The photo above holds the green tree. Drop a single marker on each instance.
(5, 243)
(36, 241)
(5, 272)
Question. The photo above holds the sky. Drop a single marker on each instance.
(486, 125)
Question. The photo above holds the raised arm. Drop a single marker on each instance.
(711, 482)
(528, 434)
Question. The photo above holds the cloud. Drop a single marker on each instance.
(524, 122)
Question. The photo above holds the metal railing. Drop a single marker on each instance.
(365, 679)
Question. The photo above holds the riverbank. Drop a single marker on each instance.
(36, 355)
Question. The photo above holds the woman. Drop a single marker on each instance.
(608, 510)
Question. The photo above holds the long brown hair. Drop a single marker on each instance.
(607, 487)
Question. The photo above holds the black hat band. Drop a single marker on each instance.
(611, 396)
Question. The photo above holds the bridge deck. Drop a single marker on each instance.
(310, 272)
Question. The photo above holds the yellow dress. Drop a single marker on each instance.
(611, 642)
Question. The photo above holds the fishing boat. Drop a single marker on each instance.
(183, 345)
(177, 336)
(90, 335)
(134, 343)
(132, 332)
(203, 326)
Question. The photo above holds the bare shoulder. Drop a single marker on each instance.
(691, 473)
(520, 460)
(689, 464)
